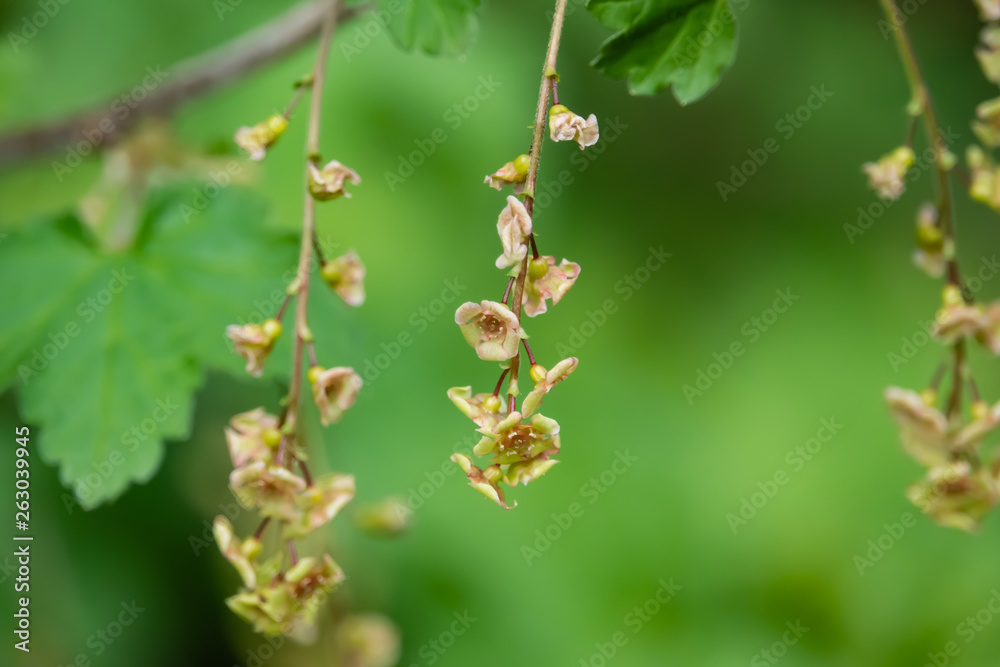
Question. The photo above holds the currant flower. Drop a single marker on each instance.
(564, 125)
(989, 9)
(328, 183)
(887, 176)
(989, 53)
(524, 472)
(320, 503)
(241, 553)
(334, 391)
(957, 319)
(512, 441)
(955, 495)
(487, 481)
(254, 342)
(491, 328)
(987, 125)
(929, 255)
(514, 228)
(252, 436)
(345, 275)
(547, 281)
(513, 173)
(257, 139)
(486, 410)
(544, 381)
(273, 489)
(386, 518)
(923, 428)
(290, 600)
(985, 186)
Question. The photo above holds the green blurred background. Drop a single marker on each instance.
(653, 185)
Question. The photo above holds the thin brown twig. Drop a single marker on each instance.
(187, 80)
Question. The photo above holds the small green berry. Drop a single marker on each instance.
(331, 275)
(314, 373)
(272, 329)
(538, 268)
(521, 165)
(557, 109)
(493, 404)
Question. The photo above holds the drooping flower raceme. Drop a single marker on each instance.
(519, 443)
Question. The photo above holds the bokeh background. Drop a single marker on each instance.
(653, 185)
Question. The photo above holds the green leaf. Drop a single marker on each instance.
(437, 27)
(107, 347)
(686, 44)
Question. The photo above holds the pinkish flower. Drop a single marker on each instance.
(491, 328)
(887, 177)
(334, 391)
(546, 281)
(486, 410)
(254, 342)
(328, 183)
(487, 481)
(252, 436)
(923, 428)
(955, 495)
(514, 228)
(320, 503)
(257, 139)
(271, 488)
(559, 372)
(345, 275)
(513, 173)
(564, 125)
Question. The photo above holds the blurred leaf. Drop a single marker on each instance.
(108, 346)
(681, 43)
(437, 27)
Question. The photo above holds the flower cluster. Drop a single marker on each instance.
(946, 431)
(282, 593)
(518, 443)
